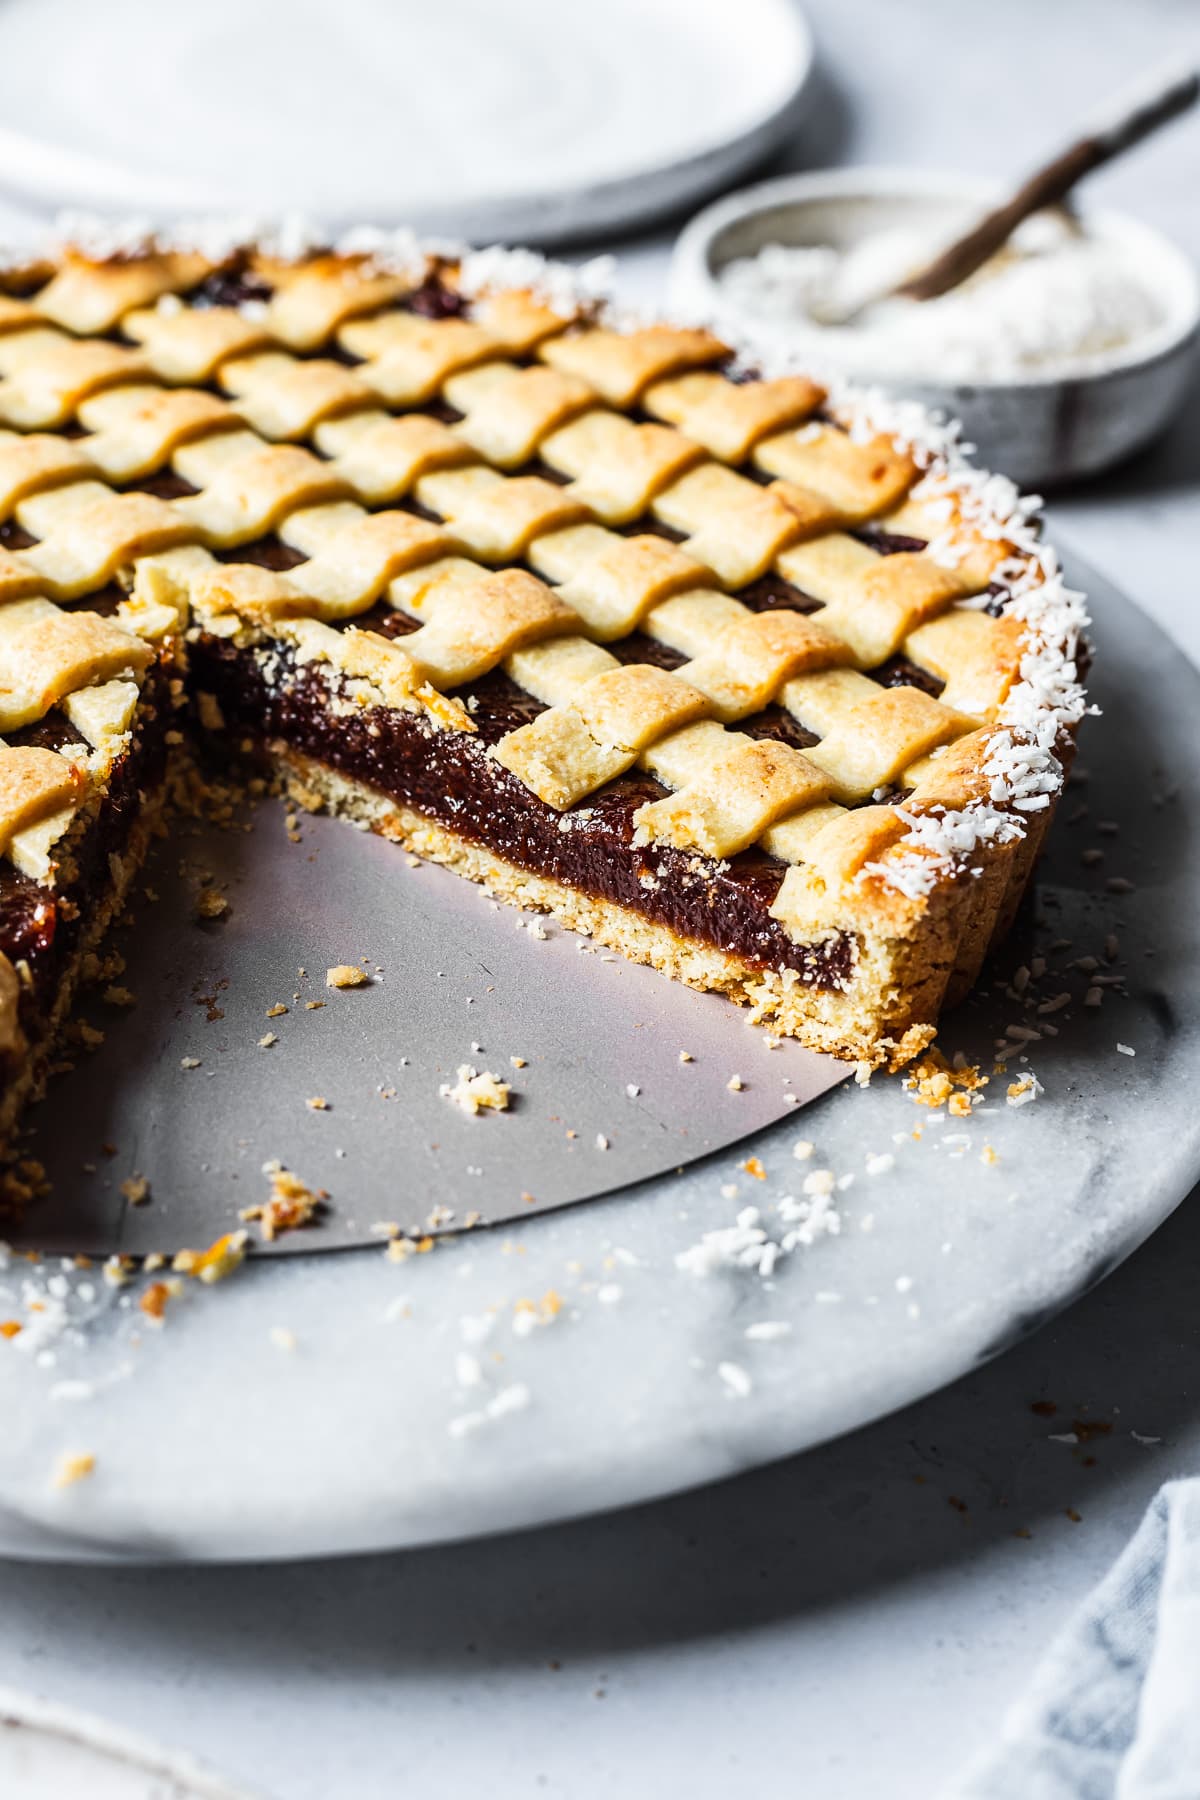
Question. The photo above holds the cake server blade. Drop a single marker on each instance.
(160, 1137)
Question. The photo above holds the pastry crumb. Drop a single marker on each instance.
(934, 1082)
(305, 796)
(400, 1248)
(153, 1301)
(218, 1262)
(74, 1468)
(211, 904)
(291, 1207)
(208, 711)
(477, 1090)
(529, 1314)
(346, 975)
(136, 1190)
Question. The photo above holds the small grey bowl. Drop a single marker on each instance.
(1040, 430)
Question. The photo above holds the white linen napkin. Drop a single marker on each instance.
(1113, 1709)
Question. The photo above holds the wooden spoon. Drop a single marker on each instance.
(1155, 101)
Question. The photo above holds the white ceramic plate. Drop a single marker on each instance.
(531, 119)
(315, 1404)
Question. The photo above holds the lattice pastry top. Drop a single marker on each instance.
(799, 610)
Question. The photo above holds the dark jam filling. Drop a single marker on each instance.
(777, 723)
(41, 926)
(233, 285)
(236, 283)
(639, 648)
(449, 778)
(887, 543)
(13, 537)
(165, 485)
(898, 671)
(442, 411)
(771, 593)
(268, 553)
(435, 299)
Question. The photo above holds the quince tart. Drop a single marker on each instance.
(751, 679)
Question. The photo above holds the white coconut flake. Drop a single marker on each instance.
(564, 289)
(1025, 1090)
(736, 1379)
(506, 1400)
(509, 1400)
(737, 1246)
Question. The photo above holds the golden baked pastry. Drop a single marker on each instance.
(755, 682)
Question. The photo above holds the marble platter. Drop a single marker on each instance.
(49, 1751)
(316, 1404)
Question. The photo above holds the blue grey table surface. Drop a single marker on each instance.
(851, 1621)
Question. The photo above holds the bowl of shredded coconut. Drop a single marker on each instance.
(1065, 352)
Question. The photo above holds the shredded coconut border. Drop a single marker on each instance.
(1048, 699)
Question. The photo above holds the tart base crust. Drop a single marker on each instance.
(883, 1018)
(24, 1079)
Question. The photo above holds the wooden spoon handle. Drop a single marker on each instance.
(1049, 185)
